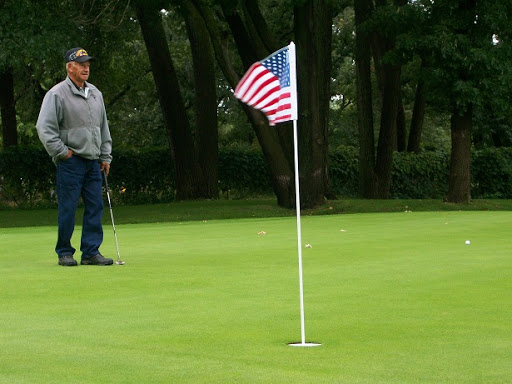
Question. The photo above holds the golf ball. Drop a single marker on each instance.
(468, 242)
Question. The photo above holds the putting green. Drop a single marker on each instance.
(393, 298)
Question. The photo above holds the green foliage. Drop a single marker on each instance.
(425, 176)
(34, 36)
(141, 177)
(26, 176)
(492, 167)
(413, 177)
(420, 176)
(243, 171)
(465, 66)
(137, 176)
(344, 171)
(343, 126)
(33, 39)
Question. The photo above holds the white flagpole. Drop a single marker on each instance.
(299, 232)
(293, 85)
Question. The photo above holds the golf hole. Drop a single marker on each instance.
(300, 344)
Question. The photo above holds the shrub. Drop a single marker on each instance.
(142, 177)
(491, 173)
(243, 171)
(27, 175)
(344, 171)
(420, 176)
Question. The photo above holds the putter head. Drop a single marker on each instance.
(119, 262)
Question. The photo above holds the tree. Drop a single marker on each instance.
(377, 26)
(187, 169)
(23, 44)
(367, 177)
(206, 130)
(254, 40)
(459, 185)
(467, 71)
(418, 115)
(7, 108)
(33, 46)
(313, 32)
(390, 69)
(276, 144)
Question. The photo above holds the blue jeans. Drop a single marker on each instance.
(77, 177)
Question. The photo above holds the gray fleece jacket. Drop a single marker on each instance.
(71, 120)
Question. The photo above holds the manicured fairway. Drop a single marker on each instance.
(392, 297)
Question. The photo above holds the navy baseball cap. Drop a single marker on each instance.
(77, 54)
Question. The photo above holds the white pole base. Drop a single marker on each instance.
(304, 344)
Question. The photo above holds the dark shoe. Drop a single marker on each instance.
(97, 260)
(67, 261)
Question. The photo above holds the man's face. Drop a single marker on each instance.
(79, 72)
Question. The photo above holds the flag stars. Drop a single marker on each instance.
(278, 64)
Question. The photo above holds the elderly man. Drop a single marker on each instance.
(73, 128)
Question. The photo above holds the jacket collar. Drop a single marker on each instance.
(75, 88)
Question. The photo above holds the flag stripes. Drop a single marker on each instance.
(266, 86)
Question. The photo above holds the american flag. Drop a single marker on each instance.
(269, 86)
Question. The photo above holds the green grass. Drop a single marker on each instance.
(393, 298)
(236, 209)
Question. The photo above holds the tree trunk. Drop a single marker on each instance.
(367, 185)
(401, 131)
(250, 47)
(206, 130)
(392, 120)
(258, 24)
(459, 184)
(387, 134)
(313, 34)
(380, 46)
(282, 177)
(187, 169)
(418, 116)
(8, 109)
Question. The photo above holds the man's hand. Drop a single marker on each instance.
(69, 154)
(105, 167)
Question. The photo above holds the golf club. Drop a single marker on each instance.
(118, 262)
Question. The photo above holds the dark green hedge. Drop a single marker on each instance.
(142, 177)
(413, 177)
(420, 176)
(491, 173)
(344, 171)
(243, 171)
(27, 175)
